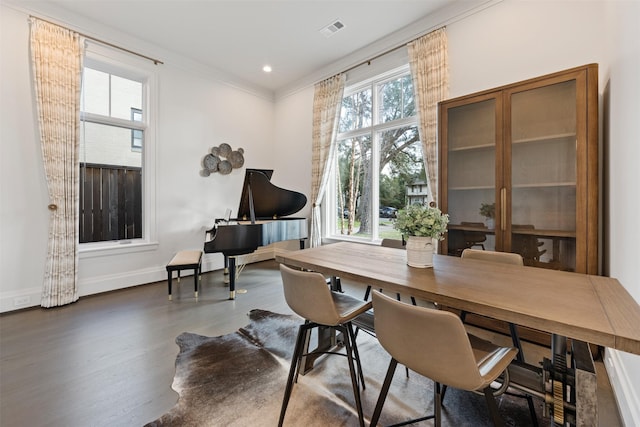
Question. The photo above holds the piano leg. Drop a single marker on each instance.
(232, 276)
(226, 269)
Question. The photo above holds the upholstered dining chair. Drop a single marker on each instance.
(504, 258)
(308, 295)
(474, 238)
(435, 344)
(365, 320)
(390, 243)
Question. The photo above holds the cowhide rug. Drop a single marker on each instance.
(238, 380)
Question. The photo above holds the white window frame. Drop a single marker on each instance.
(330, 220)
(116, 62)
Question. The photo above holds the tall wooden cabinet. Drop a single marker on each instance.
(528, 151)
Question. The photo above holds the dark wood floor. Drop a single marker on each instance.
(108, 360)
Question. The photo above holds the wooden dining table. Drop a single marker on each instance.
(594, 309)
(585, 308)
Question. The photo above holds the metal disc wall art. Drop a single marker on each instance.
(222, 159)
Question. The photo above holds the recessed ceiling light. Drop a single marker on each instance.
(266, 68)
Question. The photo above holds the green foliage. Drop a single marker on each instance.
(488, 210)
(422, 221)
(396, 99)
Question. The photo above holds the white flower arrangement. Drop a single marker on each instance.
(421, 221)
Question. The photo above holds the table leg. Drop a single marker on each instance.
(327, 340)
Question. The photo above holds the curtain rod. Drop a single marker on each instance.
(155, 61)
(368, 61)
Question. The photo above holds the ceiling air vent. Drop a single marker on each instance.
(332, 28)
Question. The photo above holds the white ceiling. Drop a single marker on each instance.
(238, 37)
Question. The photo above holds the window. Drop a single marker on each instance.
(379, 158)
(113, 153)
(136, 134)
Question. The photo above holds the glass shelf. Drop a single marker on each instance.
(473, 147)
(545, 138)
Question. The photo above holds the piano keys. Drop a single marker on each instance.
(262, 220)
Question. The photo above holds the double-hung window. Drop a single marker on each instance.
(115, 152)
(379, 158)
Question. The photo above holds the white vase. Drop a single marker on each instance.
(490, 223)
(420, 251)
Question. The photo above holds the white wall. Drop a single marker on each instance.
(195, 113)
(517, 40)
(23, 190)
(292, 144)
(621, 137)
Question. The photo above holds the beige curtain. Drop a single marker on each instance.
(428, 61)
(326, 108)
(56, 55)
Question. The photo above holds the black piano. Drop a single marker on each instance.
(262, 220)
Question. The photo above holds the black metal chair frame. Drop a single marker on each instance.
(438, 396)
(301, 351)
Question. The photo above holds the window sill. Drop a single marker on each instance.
(335, 239)
(95, 250)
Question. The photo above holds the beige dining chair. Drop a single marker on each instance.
(512, 259)
(435, 344)
(504, 258)
(308, 295)
(390, 243)
(365, 320)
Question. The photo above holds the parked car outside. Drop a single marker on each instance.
(388, 212)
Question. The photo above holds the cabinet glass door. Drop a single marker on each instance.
(543, 175)
(471, 178)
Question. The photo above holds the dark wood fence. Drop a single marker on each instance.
(110, 202)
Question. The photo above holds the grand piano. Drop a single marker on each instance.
(262, 220)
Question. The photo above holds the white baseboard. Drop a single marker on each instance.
(625, 392)
(31, 297)
(17, 300)
(112, 282)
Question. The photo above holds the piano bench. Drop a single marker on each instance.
(186, 260)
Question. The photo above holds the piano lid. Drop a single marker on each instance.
(268, 200)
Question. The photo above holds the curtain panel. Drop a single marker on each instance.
(429, 69)
(327, 100)
(56, 56)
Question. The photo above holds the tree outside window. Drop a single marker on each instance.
(379, 156)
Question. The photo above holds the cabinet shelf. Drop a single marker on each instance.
(545, 185)
(532, 140)
(545, 138)
(473, 147)
(532, 185)
(544, 234)
(473, 187)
